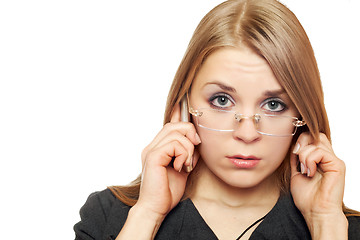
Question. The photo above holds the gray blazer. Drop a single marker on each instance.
(103, 216)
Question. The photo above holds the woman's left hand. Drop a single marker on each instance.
(318, 189)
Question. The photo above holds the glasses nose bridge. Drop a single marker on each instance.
(255, 118)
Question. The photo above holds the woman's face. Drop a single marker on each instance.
(242, 81)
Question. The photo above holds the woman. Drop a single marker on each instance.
(255, 161)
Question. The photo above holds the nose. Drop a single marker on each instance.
(246, 130)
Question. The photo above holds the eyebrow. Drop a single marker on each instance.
(222, 86)
(268, 93)
(273, 93)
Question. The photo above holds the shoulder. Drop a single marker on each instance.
(99, 205)
(103, 198)
(99, 215)
(287, 209)
(354, 227)
(286, 204)
(284, 221)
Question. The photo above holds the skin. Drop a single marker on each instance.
(223, 191)
(250, 77)
(247, 78)
(318, 190)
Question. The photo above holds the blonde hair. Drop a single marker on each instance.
(270, 29)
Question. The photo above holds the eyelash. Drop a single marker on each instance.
(219, 95)
(229, 98)
(277, 100)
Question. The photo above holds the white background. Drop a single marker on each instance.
(83, 86)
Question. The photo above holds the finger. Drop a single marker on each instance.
(315, 157)
(324, 160)
(324, 140)
(309, 158)
(306, 139)
(175, 116)
(163, 155)
(194, 160)
(303, 154)
(303, 140)
(305, 146)
(186, 129)
(176, 136)
(180, 161)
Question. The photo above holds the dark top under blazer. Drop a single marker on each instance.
(103, 216)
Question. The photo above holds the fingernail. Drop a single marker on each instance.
(180, 169)
(190, 167)
(308, 172)
(302, 168)
(198, 138)
(296, 148)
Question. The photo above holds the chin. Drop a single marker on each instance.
(245, 179)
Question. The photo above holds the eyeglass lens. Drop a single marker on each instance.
(225, 121)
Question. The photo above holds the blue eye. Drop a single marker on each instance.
(274, 105)
(221, 101)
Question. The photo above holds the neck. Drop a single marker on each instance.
(211, 188)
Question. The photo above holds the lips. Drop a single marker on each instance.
(244, 157)
(245, 162)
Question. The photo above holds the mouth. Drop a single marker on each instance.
(241, 157)
(244, 162)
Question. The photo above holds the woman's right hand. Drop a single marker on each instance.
(163, 184)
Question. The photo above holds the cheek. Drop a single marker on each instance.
(212, 143)
(277, 148)
(274, 149)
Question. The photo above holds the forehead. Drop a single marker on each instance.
(242, 69)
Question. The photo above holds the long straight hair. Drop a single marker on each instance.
(271, 30)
